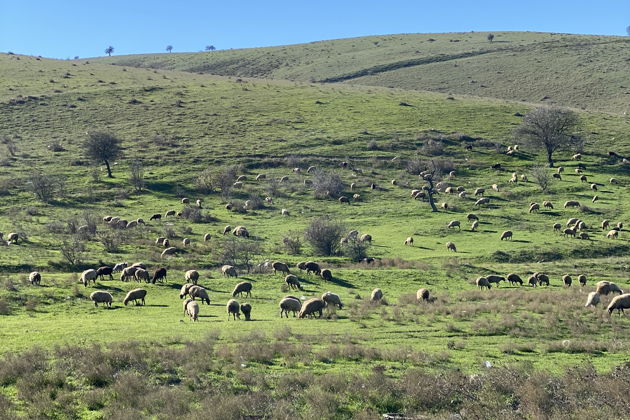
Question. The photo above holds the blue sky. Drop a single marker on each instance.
(64, 29)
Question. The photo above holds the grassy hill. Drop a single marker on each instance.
(87, 362)
(581, 71)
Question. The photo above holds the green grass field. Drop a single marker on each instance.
(178, 124)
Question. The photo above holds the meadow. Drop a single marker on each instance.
(510, 352)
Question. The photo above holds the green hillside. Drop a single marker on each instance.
(513, 347)
(581, 71)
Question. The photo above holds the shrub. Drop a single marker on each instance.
(542, 177)
(194, 214)
(324, 234)
(72, 251)
(432, 148)
(237, 252)
(327, 184)
(45, 187)
(355, 249)
(111, 240)
(136, 175)
(292, 243)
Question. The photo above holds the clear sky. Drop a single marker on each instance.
(68, 28)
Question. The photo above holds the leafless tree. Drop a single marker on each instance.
(550, 129)
(324, 235)
(136, 175)
(542, 177)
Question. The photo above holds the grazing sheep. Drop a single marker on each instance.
(366, 238)
(422, 295)
(377, 295)
(200, 292)
(240, 231)
(243, 287)
(160, 240)
(567, 280)
(594, 187)
(605, 224)
(88, 275)
(620, 225)
(281, 267)
(571, 203)
(532, 281)
(170, 213)
(284, 178)
(454, 223)
(583, 178)
(560, 169)
(166, 243)
(101, 297)
(557, 227)
(409, 241)
(449, 190)
(613, 181)
(556, 176)
(577, 156)
(198, 203)
(185, 200)
(450, 246)
(186, 242)
(592, 299)
(482, 201)
(471, 217)
(474, 226)
(595, 198)
(543, 278)
(394, 182)
(613, 234)
(535, 207)
(415, 192)
(135, 295)
(234, 309)
(506, 235)
(462, 194)
(619, 303)
(159, 274)
(301, 265)
(156, 216)
(495, 279)
(141, 275)
(480, 191)
(105, 271)
(35, 278)
(572, 221)
(332, 300)
(246, 308)
(310, 169)
(284, 212)
(312, 267)
(130, 224)
(524, 178)
(569, 232)
(191, 308)
(185, 289)
(514, 279)
(585, 236)
(344, 199)
(128, 273)
(293, 282)
(168, 251)
(191, 276)
(260, 177)
(582, 279)
(327, 274)
(451, 174)
(606, 287)
(227, 229)
(547, 204)
(482, 282)
(290, 304)
(12, 238)
(207, 237)
(444, 206)
(107, 219)
(312, 306)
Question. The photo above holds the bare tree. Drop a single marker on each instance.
(169, 48)
(10, 145)
(45, 187)
(542, 177)
(324, 235)
(237, 252)
(109, 50)
(102, 146)
(490, 37)
(550, 129)
(327, 184)
(73, 251)
(136, 175)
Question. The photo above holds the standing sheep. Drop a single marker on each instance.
(619, 303)
(495, 279)
(160, 274)
(605, 224)
(291, 304)
(101, 297)
(200, 292)
(327, 274)
(229, 271)
(514, 279)
(567, 280)
(582, 279)
(377, 295)
(532, 281)
(281, 267)
(135, 295)
(141, 275)
(592, 299)
(450, 246)
(312, 306)
(243, 287)
(293, 282)
(104, 271)
(88, 275)
(191, 308)
(191, 276)
(185, 289)
(332, 300)
(482, 282)
(422, 295)
(246, 308)
(474, 226)
(35, 278)
(557, 227)
(454, 223)
(542, 278)
(312, 267)
(506, 235)
(13, 238)
(234, 309)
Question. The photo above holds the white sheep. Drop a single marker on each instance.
(191, 276)
(233, 308)
(135, 295)
(101, 297)
(35, 278)
(619, 303)
(377, 295)
(88, 275)
(290, 304)
(200, 292)
(168, 251)
(592, 299)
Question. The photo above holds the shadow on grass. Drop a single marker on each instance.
(342, 283)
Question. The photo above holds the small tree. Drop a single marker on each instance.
(73, 251)
(136, 175)
(542, 177)
(490, 37)
(549, 129)
(102, 146)
(237, 252)
(169, 48)
(45, 187)
(355, 249)
(324, 235)
(210, 48)
(109, 50)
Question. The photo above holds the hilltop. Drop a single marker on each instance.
(582, 71)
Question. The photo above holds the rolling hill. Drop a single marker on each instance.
(581, 71)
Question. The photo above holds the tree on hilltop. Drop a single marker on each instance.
(550, 129)
(210, 48)
(109, 50)
(102, 146)
(169, 48)
(490, 37)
